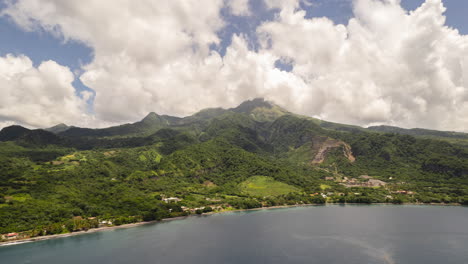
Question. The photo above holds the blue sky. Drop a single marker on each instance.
(295, 79)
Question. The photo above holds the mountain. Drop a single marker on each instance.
(27, 136)
(58, 128)
(13, 132)
(220, 159)
(259, 109)
(148, 125)
(419, 132)
(456, 137)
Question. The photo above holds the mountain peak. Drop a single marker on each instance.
(12, 132)
(57, 128)
(260, 109)
(151, 117)
(249, 105)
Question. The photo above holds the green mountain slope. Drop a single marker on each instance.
(58, 128)
(148, 125)
(257, 110)
(454, 137)
(253, 155)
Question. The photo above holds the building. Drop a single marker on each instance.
(213, 200)
(172, 200)
(106, 222)
(404, 192)
(370, 183)
(11, 236)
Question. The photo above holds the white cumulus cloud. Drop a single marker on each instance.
(386, 65)
(142, 49)
(38, 96)
(239, 7)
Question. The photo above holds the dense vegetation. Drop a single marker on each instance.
(255, 155)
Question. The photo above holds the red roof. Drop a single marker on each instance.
(12, 234)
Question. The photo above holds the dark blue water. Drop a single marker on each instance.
(323, 234)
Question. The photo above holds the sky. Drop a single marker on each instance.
(363, 62)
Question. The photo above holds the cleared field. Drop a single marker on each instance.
(265, 186)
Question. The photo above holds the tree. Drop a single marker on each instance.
(207, 209)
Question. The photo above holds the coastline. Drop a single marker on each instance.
(108, 228)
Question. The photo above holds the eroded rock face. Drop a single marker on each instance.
(323, 145)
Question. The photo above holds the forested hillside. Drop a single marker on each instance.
(66, 179)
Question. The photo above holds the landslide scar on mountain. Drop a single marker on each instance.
(323, 145)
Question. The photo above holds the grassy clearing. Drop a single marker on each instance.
(323, 187)
(20, 197)
(265, 186)
(301, 155)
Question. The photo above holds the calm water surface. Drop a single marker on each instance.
(322, 234)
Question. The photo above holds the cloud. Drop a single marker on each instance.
(7, 123)
(284, 6)
(38, 96)
(385, 66)
(146, 54)
(239, 7)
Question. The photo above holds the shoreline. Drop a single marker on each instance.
(108, 228)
